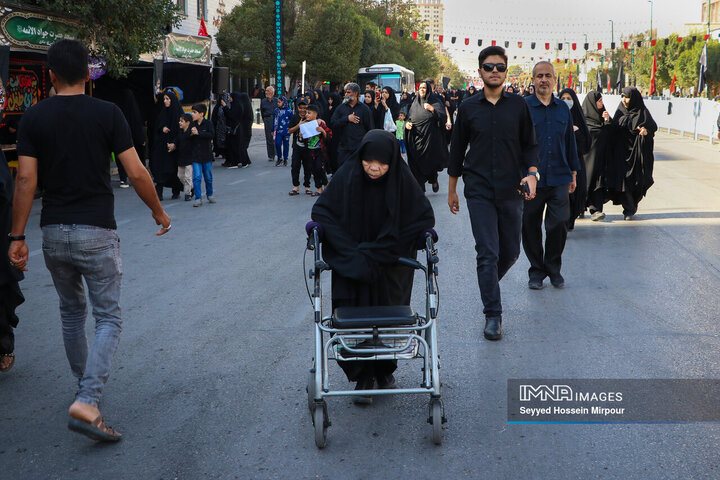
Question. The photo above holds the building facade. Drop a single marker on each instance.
(211, 11)
(431, 13)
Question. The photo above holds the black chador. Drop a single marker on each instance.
(582, 141)
(425, 142)
(630, 175)
(367, 224)
(599, 156)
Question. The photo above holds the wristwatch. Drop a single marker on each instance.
(17, 238)
(536, 174)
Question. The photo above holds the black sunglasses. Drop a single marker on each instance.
(488, 67)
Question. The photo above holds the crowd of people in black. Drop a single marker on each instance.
(522, 160)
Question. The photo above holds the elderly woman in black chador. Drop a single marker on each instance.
(425, 137)
(372, 213)
(630, 175)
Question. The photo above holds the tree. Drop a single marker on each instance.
(119, 30)
(335, 37)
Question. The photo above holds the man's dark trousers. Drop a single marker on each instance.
(554, 202)
(269, 140)
(496, 226)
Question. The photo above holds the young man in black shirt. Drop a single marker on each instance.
(350, 122)
(502, 157)
(65, 142)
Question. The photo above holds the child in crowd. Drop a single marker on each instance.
(184, 149)
(400, 132)
(316, 148)
(201, 135)
(299, 149)
(281, 121)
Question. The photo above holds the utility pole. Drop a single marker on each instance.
(612, 32)
(651, 19)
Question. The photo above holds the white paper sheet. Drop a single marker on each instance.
(309, 129)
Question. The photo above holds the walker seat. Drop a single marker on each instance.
(374, 317)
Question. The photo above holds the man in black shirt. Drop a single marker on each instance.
(350, 122)
(502, 157)
(66, 143)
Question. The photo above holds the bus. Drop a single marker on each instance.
(391, 75)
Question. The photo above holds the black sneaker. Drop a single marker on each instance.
(386, 382)
(557, 281)
(188, 198)
(278, 163)
(366, 382)
(535, 284)
(284, 163)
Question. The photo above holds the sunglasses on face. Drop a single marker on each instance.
(488, 67)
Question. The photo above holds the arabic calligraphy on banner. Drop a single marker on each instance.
(32, 30)
(23, 91)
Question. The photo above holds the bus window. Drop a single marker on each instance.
(392, 81)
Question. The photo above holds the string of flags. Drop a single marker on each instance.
(574, 46)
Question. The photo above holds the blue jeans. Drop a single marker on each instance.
(402, 145)
(282, 147)
(201, 170)
(74, 252)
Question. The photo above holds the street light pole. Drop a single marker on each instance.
(651, 19)
(612, 32)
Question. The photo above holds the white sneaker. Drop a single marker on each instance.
(597, 216)
(197, 203)
(211, 199)
(124, 185)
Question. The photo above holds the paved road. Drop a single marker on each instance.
(209, 381)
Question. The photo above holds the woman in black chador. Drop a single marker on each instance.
(602, 141)
(630, 175)
(10, 295)
(582, 140)
(371, 213)
(425, 137)
(163, 163)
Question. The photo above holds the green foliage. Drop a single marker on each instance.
(119, 30)
(335, 37)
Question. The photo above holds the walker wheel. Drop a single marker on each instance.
(321, 422)
(436, 420)
(310, 389)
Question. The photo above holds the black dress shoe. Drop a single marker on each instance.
(493, 328)
(436, 187)
(535, 284)
(557, 281)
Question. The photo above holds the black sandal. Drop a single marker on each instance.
(308, 191)
(9, 366)
(293, 192)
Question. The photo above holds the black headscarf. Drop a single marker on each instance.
(635, 114)
(336, 100)
(350, 201)
(372, 96)
(593, 115)
(234, 110)
(169, 116)
(581, 135)
(392, 103)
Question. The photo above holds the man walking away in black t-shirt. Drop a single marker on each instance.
(65, 143)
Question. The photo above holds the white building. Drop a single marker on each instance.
(212, 11)
(431, 13)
